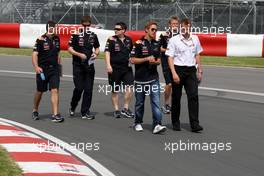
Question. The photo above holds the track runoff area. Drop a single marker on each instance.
(230, 111)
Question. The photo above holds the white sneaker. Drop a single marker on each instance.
(159, 129)
(138, 127)
(71, 112)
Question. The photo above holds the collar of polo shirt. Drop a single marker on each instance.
(188, 42)
(183, 38)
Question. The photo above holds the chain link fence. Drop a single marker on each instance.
(245, 17)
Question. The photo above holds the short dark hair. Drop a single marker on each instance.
(173, 18)
(148, 24)
(50, 24)
(122, 24)
(186, 21)
(86, 19)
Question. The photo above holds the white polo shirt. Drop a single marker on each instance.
(184, 50)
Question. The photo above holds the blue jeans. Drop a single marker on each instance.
(153, 90)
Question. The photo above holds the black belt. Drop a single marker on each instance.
(49, 66)
(184, 66)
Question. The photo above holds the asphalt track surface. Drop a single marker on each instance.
(128, 153)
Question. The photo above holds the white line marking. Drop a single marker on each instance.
(232, 91)
(202, 88)
(40, 148)
(33, 73)
(15, 133)
(17, 72)
(87, 159)
(55, 167)
(5, 124)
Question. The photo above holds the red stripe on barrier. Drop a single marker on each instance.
(44, 157)
(64, 41)
(213, 45)
(135, 35)
(22, 139)
(51, 174)
(9, 35)
(5, 127)
(65, 34)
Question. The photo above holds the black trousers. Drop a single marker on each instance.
(83, 78)
(189, 80)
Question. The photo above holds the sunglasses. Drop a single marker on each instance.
(85, 25)
(118, 29)
(154, 30)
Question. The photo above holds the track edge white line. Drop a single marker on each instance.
(85, 158)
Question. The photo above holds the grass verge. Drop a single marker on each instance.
(206, 60)
(233, 61)
(7, 166)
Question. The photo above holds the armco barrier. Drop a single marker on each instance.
(213, 45)
(24, 36)
(30, 32)
(244, 45)
(9, 35)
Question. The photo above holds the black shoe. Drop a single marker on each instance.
(35, 115)
(117, 114)
(176, 127)
(88, 116)
(127, 113)
(71, 112)
(197, 128)
(57, 118)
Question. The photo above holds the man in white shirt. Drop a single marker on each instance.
(184, 56)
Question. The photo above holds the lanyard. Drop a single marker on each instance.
(188, 45)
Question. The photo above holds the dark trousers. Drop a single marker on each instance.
(188, 79)
(83, 78)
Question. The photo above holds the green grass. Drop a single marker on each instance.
(7, 166)
(233, 61)
(15, 51)
(206, 60)
(28, 52)
(25, 52)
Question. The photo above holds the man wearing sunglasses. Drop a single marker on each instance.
(164, 39)
(184, 55)
(146, 56)
(84, 47)
(120, 75)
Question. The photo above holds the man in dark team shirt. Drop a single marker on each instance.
(120, 75)
(146, 56)
(164, 39)
(46, 60)
(84, 47)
